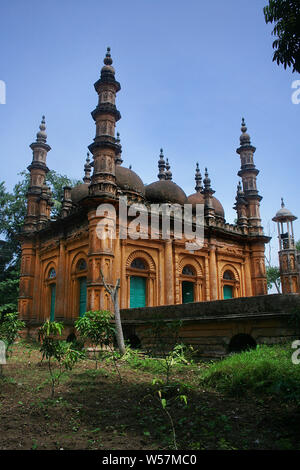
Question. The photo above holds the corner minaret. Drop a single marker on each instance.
(248, 173)
(209, 211)
(38, 195)
(105, 148)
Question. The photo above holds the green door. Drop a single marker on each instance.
(137, 292)
(187, 292)
(52, 305)
(82, 296)
(227, 292)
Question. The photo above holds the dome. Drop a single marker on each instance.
(128, 180)
(165, 191)
(79, 192)
(198, 198)
(283, 214)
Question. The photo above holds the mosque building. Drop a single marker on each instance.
(62, 259)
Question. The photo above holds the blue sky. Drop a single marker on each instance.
(188, 70)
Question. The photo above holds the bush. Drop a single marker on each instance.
(264, 370)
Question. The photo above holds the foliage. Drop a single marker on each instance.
(298, 245)
(273, 277)
(264, 370)
(10, 328)
(286, 16)
(96, 327)
(54, 349)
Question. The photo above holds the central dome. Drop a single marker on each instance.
(165, 191)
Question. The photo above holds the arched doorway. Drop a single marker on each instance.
(52, 288)
(188, 284)
(229, 285)
(241, 342)
(81, 271)
(138, 283)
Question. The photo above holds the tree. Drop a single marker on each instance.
(114, 293)
(54, 349)
(273, 277)
(286, 16)
(298, 245)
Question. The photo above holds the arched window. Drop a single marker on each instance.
(52, 273)
(81, 265)
(138, 263)
(228, 275)
(188, 270)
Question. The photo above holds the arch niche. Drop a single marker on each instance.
(190, 280)
(230, 282)
(140, 280)
(50, 290)
(79, 285)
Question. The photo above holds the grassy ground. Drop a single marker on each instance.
(248, 401)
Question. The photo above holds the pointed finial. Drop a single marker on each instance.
(119, 159)
(130, 167)
(282, 203)
(198, 179)
(206, 180)
(108, 60)
(87, 169)
(168, 172)
(41, 136)
(245, 137)
(161, 166)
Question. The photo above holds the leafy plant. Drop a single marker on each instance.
(10, 328)
(56, 351)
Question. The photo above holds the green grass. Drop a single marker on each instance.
(266, 369)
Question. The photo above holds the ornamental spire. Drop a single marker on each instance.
(161, 166)
(119, 159)
(87, 169)
(168, 172)
(41, 136)
(198, 179)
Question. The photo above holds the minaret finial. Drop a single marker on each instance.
(108, 60)
(245, 137)
(119, 160)
(41, 136)
(282, 203)
(198, 179)
(87, 169)
(161, 166)
(168, 172)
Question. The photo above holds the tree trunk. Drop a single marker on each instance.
(114, 293)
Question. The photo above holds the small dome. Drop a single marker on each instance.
(128, 180)
(198, 198)
(165, 191)
(283, 214)
(79, 192)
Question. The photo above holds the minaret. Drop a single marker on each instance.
(209, 211)
(289, 270)
(241, 207)
(38, 195)
(168, 171)
(105, 147)
(198, 179)
(248, 173)
(161, 166)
